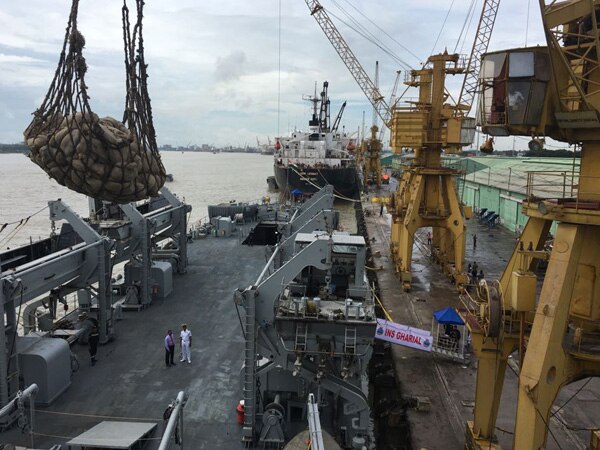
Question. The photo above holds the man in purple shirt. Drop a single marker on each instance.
(169, 349)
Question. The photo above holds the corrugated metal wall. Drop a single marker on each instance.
(503, 202)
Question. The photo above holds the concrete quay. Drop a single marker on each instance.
(450, 385)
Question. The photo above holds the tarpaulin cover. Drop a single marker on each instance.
(297, 192)
(448, 316)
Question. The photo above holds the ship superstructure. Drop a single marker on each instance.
(309, 329)
(306, 161)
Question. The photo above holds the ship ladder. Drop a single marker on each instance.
(250, 373)
(350, 340)
(104, 293)
(301, 337)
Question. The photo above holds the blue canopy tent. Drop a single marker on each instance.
(448, 316)
(297, 192)
(449, 334)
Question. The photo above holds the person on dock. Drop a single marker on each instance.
(474, 240)
(480, 276)
(186, 343)
(455, 337)
(93, 340)
(429, 237)
(474, 273)
(169, 349)
(381, 210)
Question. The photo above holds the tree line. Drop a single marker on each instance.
(14, 148)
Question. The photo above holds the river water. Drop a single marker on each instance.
(201, 179)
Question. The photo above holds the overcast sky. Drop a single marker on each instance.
(213, 64)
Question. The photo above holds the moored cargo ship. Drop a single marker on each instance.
(306, 161)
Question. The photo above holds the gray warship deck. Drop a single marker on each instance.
(130, 382)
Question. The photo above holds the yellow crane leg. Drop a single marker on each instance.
(570, 297)
(428, 198)
(406, 229)
(454, 228)
(405, 250)
(492, 358)
(400, 200)
(394, 239)
(493, 354)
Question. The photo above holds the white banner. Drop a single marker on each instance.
(403, 335)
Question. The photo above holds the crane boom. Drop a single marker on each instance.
(392, 101)
(338, 118)
(480, 46)
(341, 47)
(374, 121)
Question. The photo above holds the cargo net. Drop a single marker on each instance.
(99, 157)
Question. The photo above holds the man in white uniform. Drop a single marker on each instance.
(186, 343)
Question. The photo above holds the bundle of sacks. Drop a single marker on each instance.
(99, 157)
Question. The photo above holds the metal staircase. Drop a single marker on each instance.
(250, 371)
(105, 317)
(350, 340)
(301, 337)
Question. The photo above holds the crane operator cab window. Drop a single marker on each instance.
(513, 85)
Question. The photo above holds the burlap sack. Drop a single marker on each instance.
(95, 156)
(99, 157)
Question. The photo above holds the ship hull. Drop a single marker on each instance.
(309, 180)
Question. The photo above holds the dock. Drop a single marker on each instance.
(449, 386)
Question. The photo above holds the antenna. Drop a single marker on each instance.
(363, 127)
(374, 122)
(315, 101)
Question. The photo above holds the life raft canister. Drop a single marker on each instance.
(240, 412)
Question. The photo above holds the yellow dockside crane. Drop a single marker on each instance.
(549, 91)
(370, 149)
(426, 196)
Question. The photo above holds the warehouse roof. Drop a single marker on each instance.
(552, 177)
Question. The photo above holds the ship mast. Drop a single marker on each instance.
(314, 122)
(324, 114)
(320, 120)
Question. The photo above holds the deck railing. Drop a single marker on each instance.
(552, 185)
(582, 342)
(563, 188)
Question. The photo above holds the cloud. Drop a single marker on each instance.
(230, 67)
(214, 65)
(16, 59)
(6, 113)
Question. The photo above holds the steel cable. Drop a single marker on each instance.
(406, 49)
(442, 27)
(387, 51)
(371, 36)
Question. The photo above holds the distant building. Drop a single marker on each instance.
(501, 184)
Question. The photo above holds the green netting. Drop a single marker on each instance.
(100, 157)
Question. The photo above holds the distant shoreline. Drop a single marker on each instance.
(23, 149)
(14, 148)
